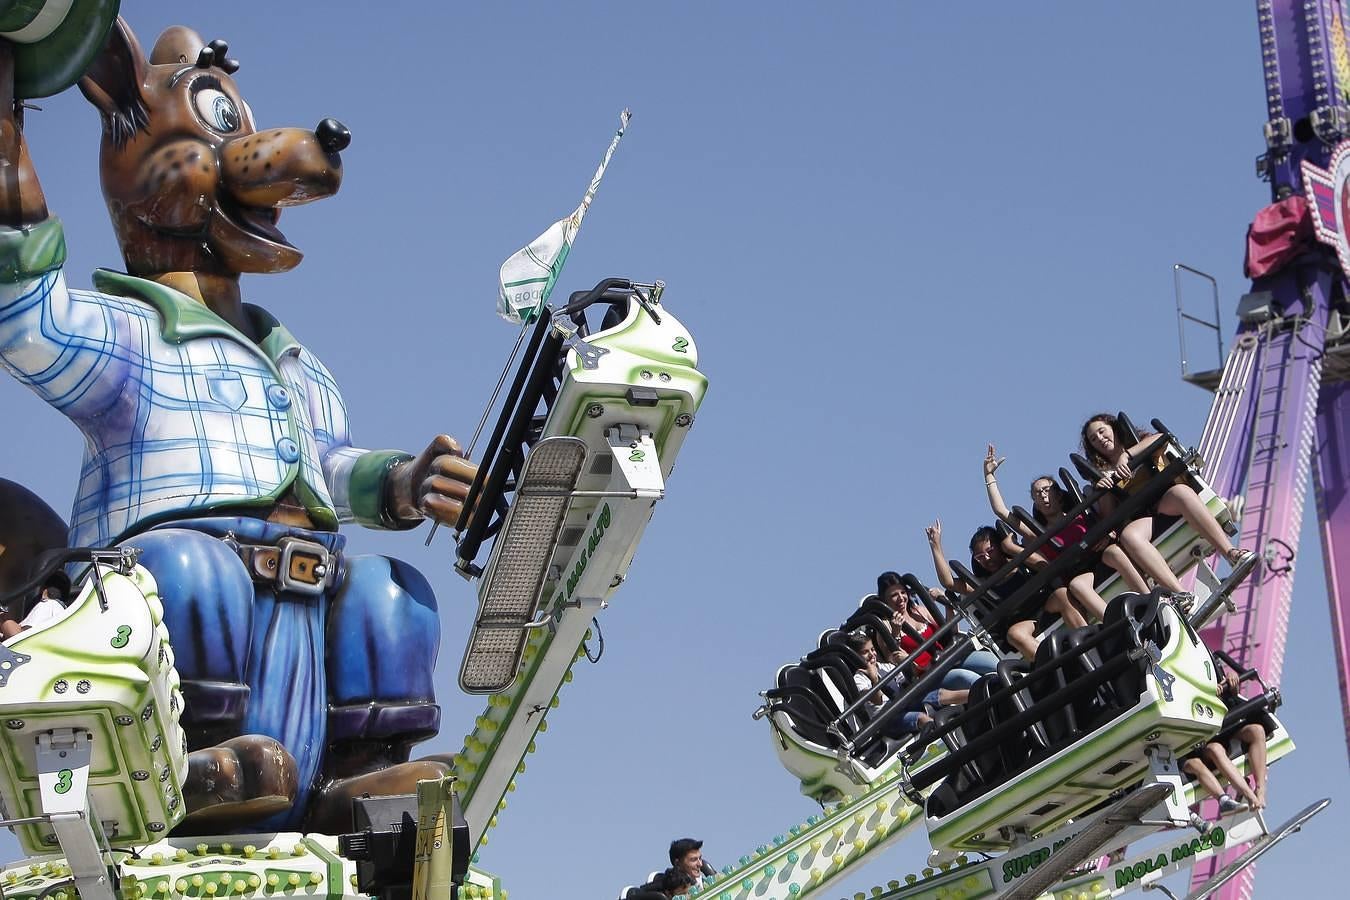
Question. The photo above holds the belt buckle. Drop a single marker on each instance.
(304, 566)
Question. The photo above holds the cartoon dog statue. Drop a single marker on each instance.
(219, 445)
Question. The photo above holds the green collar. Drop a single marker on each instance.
(182, 318)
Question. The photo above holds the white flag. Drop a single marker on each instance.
(527, 277)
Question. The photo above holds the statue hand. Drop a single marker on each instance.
(434, 485)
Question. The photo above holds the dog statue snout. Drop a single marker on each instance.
(333, 135)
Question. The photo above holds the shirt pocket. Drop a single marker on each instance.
(226, 387)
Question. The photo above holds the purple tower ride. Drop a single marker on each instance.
(1287, 378)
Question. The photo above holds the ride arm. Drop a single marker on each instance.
(357, 479)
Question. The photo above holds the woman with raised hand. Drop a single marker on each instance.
(1048, 507)
(987, 556)
(911, 624)
(1105, 449)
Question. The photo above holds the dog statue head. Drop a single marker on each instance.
(191, 184)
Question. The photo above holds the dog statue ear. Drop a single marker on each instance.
(178, 45)
(113, 84)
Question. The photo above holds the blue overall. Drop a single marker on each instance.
(352, 663)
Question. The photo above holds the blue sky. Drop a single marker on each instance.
(896, 231)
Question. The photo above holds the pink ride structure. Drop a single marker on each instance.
(1284, 390)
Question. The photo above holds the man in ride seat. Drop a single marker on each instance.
(49, 605)
(686, 854)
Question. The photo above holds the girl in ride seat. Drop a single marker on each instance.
(1251, 733)
(874, 670)
(987, 555)
(1106, 450)
(1048, 505)
(912, 624)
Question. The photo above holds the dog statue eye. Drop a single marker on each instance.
(217, 110)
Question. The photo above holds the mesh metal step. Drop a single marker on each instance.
(510, 592)
(1124, 814)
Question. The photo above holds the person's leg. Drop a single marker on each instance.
(1181, 500)
(1253, 738)
(946, 697)
(1119, 560)
(1022, 638)
(1136, 539)
(1058, 603)
(1085, 593)
(959, 679)
(981, 662)
(1218, 756)
(1197, 769)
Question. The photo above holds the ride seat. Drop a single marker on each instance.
(1142, 611)
(1061, 723)
(986, 770)
(798, 695)
(104, 668)
(1030, 745)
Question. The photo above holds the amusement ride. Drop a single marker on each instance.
(1060, 776)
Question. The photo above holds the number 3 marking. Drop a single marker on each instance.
(63, 780)
(120, 639)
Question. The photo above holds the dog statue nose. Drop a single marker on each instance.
(333, 135)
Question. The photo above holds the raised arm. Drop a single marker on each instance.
(940, 565)
(996, 502)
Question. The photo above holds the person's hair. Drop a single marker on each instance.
(983, 533)
(1055, 491)
(680, 847)
(886, 581)
(1093, 456)
(674, 879)
(856, 640)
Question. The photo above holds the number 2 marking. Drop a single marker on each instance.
(681, 345)
(637, 456)
(63, 780)
(120, 639)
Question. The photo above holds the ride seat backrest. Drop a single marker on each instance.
(875, 628)
(808, 719)
(1060, 721)
(831, 637)
(1028, 743)
(1097, 706)
(954, 740)
(1073, 491)
(876, 606)
(1143, 608)
(1027, 519)
(987, 603)
(946, 797)
(987, 766)
(1125, 430)
(1086, 470)
(836, 680)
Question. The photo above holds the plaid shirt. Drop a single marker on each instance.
(181, 413)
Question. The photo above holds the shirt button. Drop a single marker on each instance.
(288, 450)
(278, 396)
